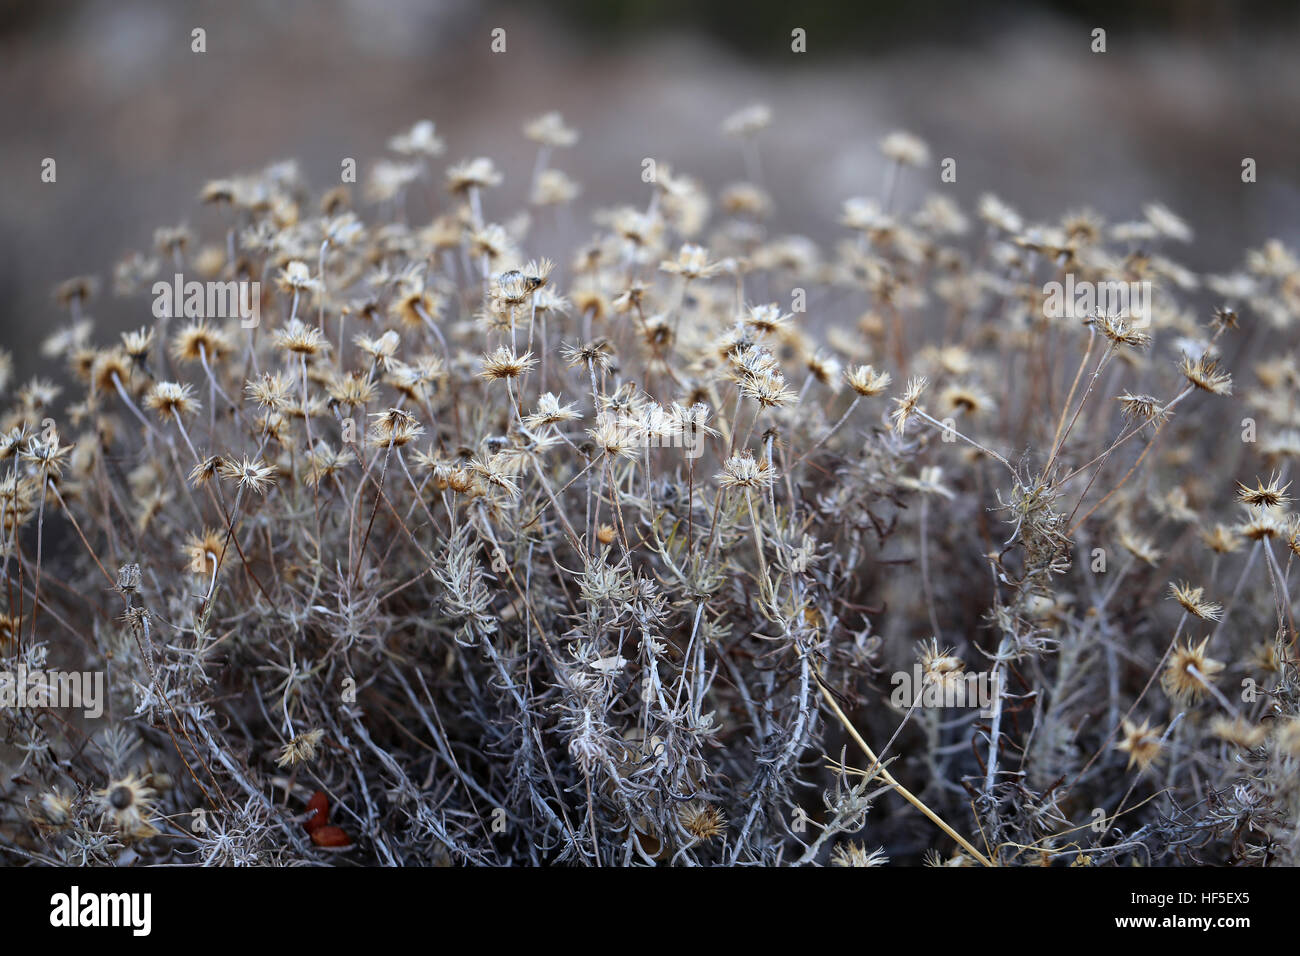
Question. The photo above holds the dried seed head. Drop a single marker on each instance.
(611, 437)
(940, 667)
(201, 342)
(907, 405)
(1264, 496)
(1119, 331)
(1188, 674)
(1194, 603)
(394, 427)
(1221, 539)
(110, 369)
(137, 344)
(744, 472)
(1262, 523)
(301, 749)
(1286, 738)
(46, 455)
(1239, 732)
(766, 319)
(296, 277)
(550, 412)
(420, 140)
(554, 188)
(866, 381)
(1224, 318)
(325, 461)
(1141, 743)
(127, 802)
(702, 821)
(747, 122)
(768, 389)
(550, 130)
(272, 391)
(966, 399)
(905, 149)
(692, 262)
(1141, 409)
(1205, 374)
(352, 389)
(477, 173)
(170, 399)
(505, 363)
(54, 809)
(203, 551)
(299, 338)
(855, 854)
(253, 474)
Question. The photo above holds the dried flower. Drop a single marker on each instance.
(127, 803)
(1190, 671)
(1141, 743)
(908, 404)
(1194, 603)
(1205, 374)
(252, 474)
(702, 821)
(505, 363)
(854, 854)
(170, 399)
(1264, 496)
(744, 472)
(866, 381)
(301, 749)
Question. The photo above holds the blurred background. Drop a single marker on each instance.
(137, 122)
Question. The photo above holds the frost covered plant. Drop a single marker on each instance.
(480, 549)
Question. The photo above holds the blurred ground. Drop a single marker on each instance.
(137, 122)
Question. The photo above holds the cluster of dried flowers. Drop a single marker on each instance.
(490, 560)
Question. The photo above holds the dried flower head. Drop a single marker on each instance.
(1239, 732)
(170, 399)
(1205, 374)
(1120, 331)
(940, 667)
(299, 338)
(1194, 603)
(301, 749)
(907, 405)
(1141, 743)
(1264, 496)
(866, 381)
(420, 140)
(471, 174)
(1189, 673)
(251, 474)
(550, 130)
(201, 342)
(905, 149)
(506, 363)
(855, 854)
(394, 427)
(127, 802)
(744, 472)
(703, 821)
(748, 121)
